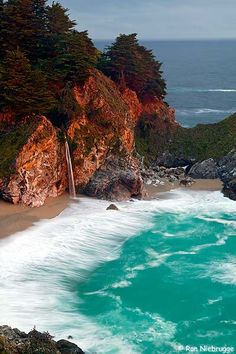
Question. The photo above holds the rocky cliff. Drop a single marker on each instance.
(102, 142)
(13, 341)
(32, 163)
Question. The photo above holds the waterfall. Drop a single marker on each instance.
(70, 171)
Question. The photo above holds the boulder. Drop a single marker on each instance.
(186, 182)
(66, 347)
(118, 179)
(227, 166)
(112, 207)
(227, 172)
(229, 189)
(13, 341)
(170, 160)
(206, 169)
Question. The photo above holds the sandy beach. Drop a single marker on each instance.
(14, 218)
(154, 191)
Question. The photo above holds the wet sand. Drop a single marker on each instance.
(154, 191)
(14, 218)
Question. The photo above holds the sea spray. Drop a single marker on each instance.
(70, 171)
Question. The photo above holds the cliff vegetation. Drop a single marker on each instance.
(205, 140)
(190, 144)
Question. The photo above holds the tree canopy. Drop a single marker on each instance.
(40, 51)
(132, 65)
(43, 56)
(22, 89)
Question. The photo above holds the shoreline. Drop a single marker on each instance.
(159, 190)
(16, 218)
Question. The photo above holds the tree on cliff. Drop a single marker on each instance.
(132, 65)
(47, 47)
(58, 19)
(73, 54)
(23, 90)
(25, 27)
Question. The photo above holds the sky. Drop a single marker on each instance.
(155, 19)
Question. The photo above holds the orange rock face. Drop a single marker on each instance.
(105, 126)
(40, 169)
(101, 138)
(164, 116)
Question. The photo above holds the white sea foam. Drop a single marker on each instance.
(198, 111)
(219, 221)
(194, 89)
(222, 90)
(40, 266)
(223, 272)
(37, 264)
(121, 284)
(213, 301)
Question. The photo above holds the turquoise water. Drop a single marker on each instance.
(147, 279)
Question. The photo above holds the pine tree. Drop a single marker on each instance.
(38, 45)
(25, 26)
(58, 19)
(22, 90)
(132, 65)
(74, 55)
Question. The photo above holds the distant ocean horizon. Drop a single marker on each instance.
(200, 76)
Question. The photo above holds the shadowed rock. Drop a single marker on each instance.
(227, 172)
(13, 341)
(118, 179)
(112, 207)
(206, 169)
(66, 347)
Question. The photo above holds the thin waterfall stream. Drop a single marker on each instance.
(70, 171)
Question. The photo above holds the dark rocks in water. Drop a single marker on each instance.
(227, 166)
(186, 182)
(118, 179)
(66, 347)
(206, 169)
(227, 172)
(229, 189)
(170, 160)
(225, 169)
(13, 341)
(112, 207)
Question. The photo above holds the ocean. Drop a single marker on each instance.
(151, 278)
(200, 78)
(155, 277)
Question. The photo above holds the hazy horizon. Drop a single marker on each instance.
(171, 39)
(156, 19)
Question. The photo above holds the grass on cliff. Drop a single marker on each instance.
(200, 143)
(205, 140)
(10, 144)
(149, 139)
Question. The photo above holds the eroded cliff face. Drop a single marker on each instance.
(39, 169)
(104, 131)
(102, 142)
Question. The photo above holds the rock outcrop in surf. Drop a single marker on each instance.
(13, 341)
